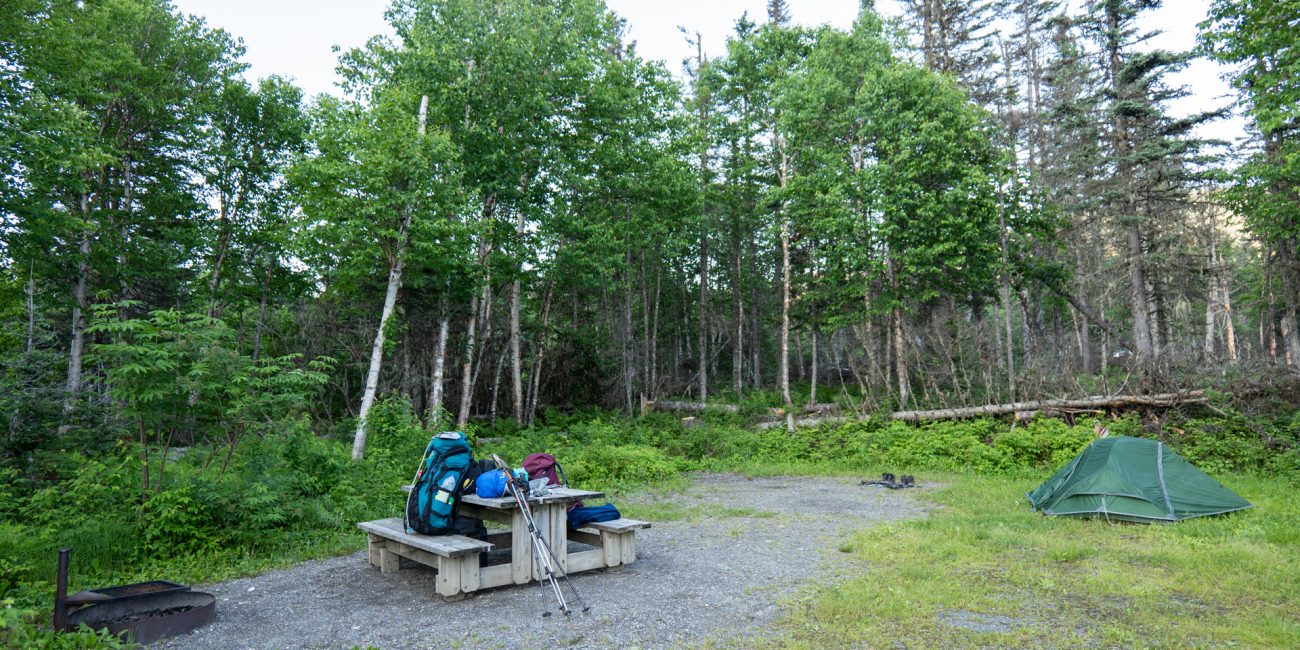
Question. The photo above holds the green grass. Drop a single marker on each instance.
(1223, 581)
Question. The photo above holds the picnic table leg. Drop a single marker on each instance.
(376, 544)
(557, 533)
(542, 517)
(452, 574)
(521, 549)
(612, 545)
(389, 561)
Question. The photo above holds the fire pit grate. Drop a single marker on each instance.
(141, 589)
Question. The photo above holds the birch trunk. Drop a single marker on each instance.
(516, 377)
(1005, 292)
(629, 360)
(704, 231)
(467, 369)
(539, 352)
(704, 318)
(390, 300)
(900, 353)
(785, 323)
(783, 173)
(223, 244)
(900, 359)
(30, 290)
(435, 409)
(653, 379)
(1211, 297)
(1230, 332)
(1085, 334)
(377, 352)
(737, 347)
(485, 319)
(1290, 334)
(755, 335)
(812, 395)
(469, 373)
(261, 311)
(72, 389)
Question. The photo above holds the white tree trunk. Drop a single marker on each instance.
(390, 300)
(704, 318)
(72, 389)
(516, 377)
(467, 370)
(900, 359)
(785, 322)
(1230, 332)
(377, 358)
(539, 352)
(812, 393)
(30, 290)
(439, 368)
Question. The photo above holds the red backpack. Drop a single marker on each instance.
(544, 465)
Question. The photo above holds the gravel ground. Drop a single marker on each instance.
(720, 572)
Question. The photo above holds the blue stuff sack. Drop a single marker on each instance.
(579, 517)
(491, 485)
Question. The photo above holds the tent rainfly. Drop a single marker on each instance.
(1133, 479)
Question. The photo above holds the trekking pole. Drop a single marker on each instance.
(545, 553)
(573, 588)
(544, 557)
(541, 556)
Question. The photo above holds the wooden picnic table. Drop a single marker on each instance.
(458, 559)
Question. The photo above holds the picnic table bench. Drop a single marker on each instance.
(458, 559)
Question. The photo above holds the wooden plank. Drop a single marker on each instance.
(486, 514)
(612, 545)
(495, 576)
(557, 533)
(469, 573)
(445, 545)
(618, 525)
(449, 572)
(554, 495)
(543, 518)
(584, 537)
(521, 550)
(389, 560)
(629, 547)
(586, 560)
(374, 544)
(498, 540)
(411, 553)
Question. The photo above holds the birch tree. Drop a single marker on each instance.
(380, 186)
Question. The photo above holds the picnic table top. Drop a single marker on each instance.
(553, 495)
(506, 502)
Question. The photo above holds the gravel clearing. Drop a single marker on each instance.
(720, 571)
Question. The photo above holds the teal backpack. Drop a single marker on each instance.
(431, 505)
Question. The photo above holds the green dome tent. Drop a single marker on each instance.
(1133, 479)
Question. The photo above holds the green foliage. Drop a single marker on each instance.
(19, 629)
(179, 376)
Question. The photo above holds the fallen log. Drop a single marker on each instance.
(686, 407)
(700, 407)
(1094, 403)
(803, 422)
(1162, 400)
